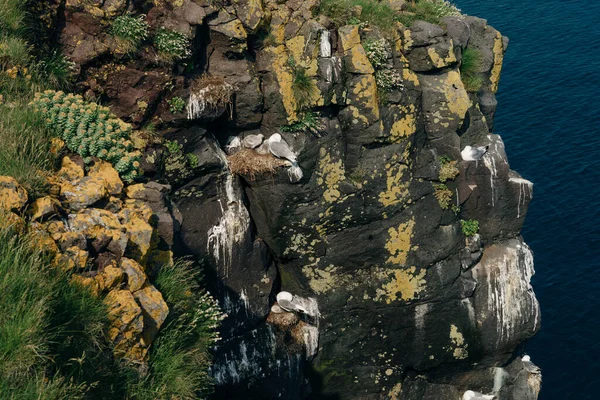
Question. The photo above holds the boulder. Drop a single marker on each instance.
(12, 195)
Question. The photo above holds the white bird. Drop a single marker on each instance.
(286, 301)
(264, 148)
(473, 153)
(529, 366)
(252, 141)
(471, 395)
(280, 149)
(233, 144)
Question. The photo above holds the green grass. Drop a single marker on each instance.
(469, 68)
(25, 147)
(51, 330)
(431, 11)
(179, 358)
(343, 12)
(303, 86)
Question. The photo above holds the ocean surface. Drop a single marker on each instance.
(549, 118)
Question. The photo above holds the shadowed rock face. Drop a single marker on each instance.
(403, 304)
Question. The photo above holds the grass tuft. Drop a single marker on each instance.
(180, 358)
(469, 69)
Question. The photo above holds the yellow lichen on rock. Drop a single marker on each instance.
(136, 277)
(439, 61)
(458, 347)
(364, 96)
(70, 170)
(322, 280)
(105, 171)
(398, 244)
(155, 311)
(126, 327)
(330, 174)
(406, 125)
(12, 195)
(285, 81)
(43, 207)
(498, 51)
(404, 285)
(355, 54)
(457, 98)
(396, 190)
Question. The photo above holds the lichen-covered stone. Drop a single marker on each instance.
(127, 324)
(155, 311)
(104, 170)
(84, 192)
(43, 207)
(136, 277)
(12, 195)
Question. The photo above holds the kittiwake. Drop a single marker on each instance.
(471, 395)
(252, 141)
(473, 153)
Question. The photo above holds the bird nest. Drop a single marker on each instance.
(250, 164)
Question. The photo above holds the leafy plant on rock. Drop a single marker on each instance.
(386, 78)
(448, 170)
(172, 45)
(177, 165)
(130, 31)
(176, 104)
(90, 130)
(469, 227)
(443, 195)
(308, 122)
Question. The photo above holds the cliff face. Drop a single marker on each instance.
(398, 302)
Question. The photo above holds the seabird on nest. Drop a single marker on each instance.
(280, 149)
(471, 395)
(473, 153)
(233, 144)
(286, 302)
(252, 141)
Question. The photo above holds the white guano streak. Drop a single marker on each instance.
(325, 44)
(231, 228)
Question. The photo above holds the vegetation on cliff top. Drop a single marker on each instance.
(382, 15)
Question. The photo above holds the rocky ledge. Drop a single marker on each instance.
(409, 277)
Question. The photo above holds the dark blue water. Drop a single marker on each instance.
(549, 118)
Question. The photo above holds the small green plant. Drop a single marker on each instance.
(90, 130)
(443, 195)
(386, 78)
(176, 104)
(448, 170)
(470, 227)
(130, 31)
(172, 45)
(177, 165)
(455, 209)
(308, 122)
(469, 68)
(377, 52)
(431, 11)
(303, 85)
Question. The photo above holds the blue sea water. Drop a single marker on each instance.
(549, 118)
